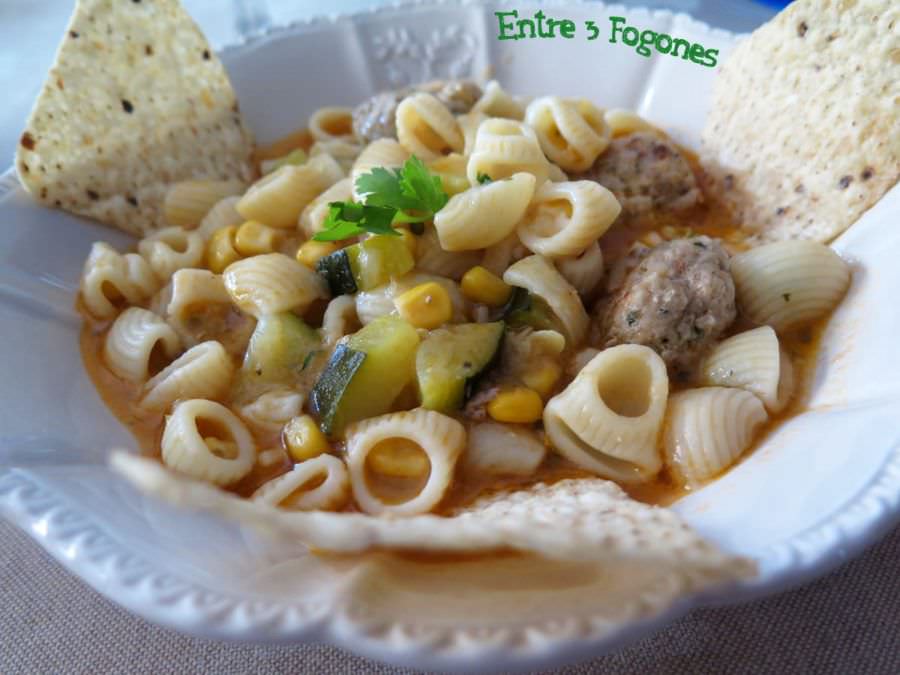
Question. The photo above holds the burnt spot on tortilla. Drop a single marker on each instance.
(93, 195)
(781, 210)
(27, 141)
(844, 182)
(127, 106)
(729, 181)
(43, 193)
(132, 200)
(800, 189)
(74, 34)
(206, 55)
(802, 28)
(148, 50)
(867, 173)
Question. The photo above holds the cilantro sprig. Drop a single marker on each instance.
(407, 195)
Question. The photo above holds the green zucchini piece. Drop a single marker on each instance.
(366, 374)
(376, 259)
(451, 358)
(338, 272)
(279, 349)
(525, 309)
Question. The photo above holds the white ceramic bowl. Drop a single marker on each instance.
(823, 487)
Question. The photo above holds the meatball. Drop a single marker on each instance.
(645, 172)
(376, 117)
(678, 300)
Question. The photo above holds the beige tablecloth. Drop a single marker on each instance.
(847, 622)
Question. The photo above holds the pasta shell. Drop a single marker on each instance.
(332, 123)
(469, 124)
(622, 122)
(272, 410)
(495, 102)
(272, 283)
(442, 439)
(109, 279)
(426, 128)
(584, 271)
(788, 284)
(188, 202)
(380, 301)
(431, 257)
(503, 449)
(131, 340)
(203, 371)
(193, 290)
(171, 249)
(222, 214)
(340, 319)
(221, 458)
(572, 132)
(286, 491)
(609, 417)
(565, 218)
(484, 215)
(708, 429)
(539, 277)
(343, 151)
(754, 361)
(506, 147)
(312, 219)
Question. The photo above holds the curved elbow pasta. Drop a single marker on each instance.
(431, 257)
(708, 429)
(109, 278)
(344, 151)
(272, 410)
(584, 271)
(468, 124)
(171, 249)
(203, 371)
(131, 340)
(279, 198)
(539, 277)
(332, 123)
(426, 128)
(572, 132)
(506, 147)
(440, 437)
(288, 490)
(788, 284)
(622, 122)
(187, 203)
(754, 361)
(192, 290)
(222, 214)
(484, 215)
(503, 449)
(565, 218)
(340, 319)
(272, 283)
(312, 219)
(608, 419)
(495, 102)
(385, 152)
(223, 457)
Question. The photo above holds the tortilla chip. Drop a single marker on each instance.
(573, 520)
(136, 101)
(803, 134)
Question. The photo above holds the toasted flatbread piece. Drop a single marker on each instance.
(136, 101)
(803, 134)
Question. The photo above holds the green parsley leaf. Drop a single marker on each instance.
(483, 178)
(410, 194)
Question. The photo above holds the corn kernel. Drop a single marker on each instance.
(398, 457)
(425, 306)
(481, 285)
(519, 405)
(303, 439)
(254, 238)
(220, 250)
(543, 377)
(410, 240)
(312, 251)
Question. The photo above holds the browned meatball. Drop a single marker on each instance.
(645, 172)
(376, 117)
(677, 300)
